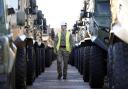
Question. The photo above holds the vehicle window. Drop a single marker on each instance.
(1, 11)
(103, 8)
(1, 8)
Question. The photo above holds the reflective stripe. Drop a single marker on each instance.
(68, 48)
(67, 38)
(59, 39)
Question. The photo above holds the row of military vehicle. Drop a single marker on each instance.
(102, 54)
(21, 46)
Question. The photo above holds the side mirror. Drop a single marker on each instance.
(44, 22)
(80, 23)
(84, 14)
(35, 22)
(39, 14)
(45, 31)
(21, 18)
(88, 14)
(32, 3)
(33, 11)
(27, 10)
(11, 11)
(39, 21)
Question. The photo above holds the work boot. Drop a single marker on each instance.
(64, 77)
(59, 76)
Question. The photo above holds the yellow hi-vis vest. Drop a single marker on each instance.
(67, 38)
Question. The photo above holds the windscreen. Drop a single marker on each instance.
(103, 8)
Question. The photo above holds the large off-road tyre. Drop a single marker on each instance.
(86, 64)
(110, 67)
(20, 68)
(42, 50)
(120, 66)
(39, 60)
(30, 61)
(81, 60)
(71, 60)
(96, 67)
(34, 56)
(78, 66)
(52, 50)
(73, 57)
(76, 57)
(48, 57)
(36, 47)
(10, 80)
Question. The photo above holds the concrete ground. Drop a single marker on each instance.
(48, 80)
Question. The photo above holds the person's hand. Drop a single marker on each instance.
(55, 51)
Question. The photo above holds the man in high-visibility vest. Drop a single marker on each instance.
(63, 46)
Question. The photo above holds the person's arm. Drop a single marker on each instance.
(55, 42)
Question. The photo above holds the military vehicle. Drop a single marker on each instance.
(18, 33)
(33, 46)
(106, 43)
(97, 17)
(118, 47)
(8, 49)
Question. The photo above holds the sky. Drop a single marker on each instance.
(58, 11)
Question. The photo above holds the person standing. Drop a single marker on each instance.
(63, 46)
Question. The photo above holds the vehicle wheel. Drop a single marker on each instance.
(10, 82)
(96, 67)
(71, 61)
(82, 60)
(42, 57)
(37, 58)
(86, 64)
(79, 60)
(76, 57)
(47, 57)
(34, 56)
(12, 78)
(20, 68)
(30, 64)
(110, 67)
(120, 66)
